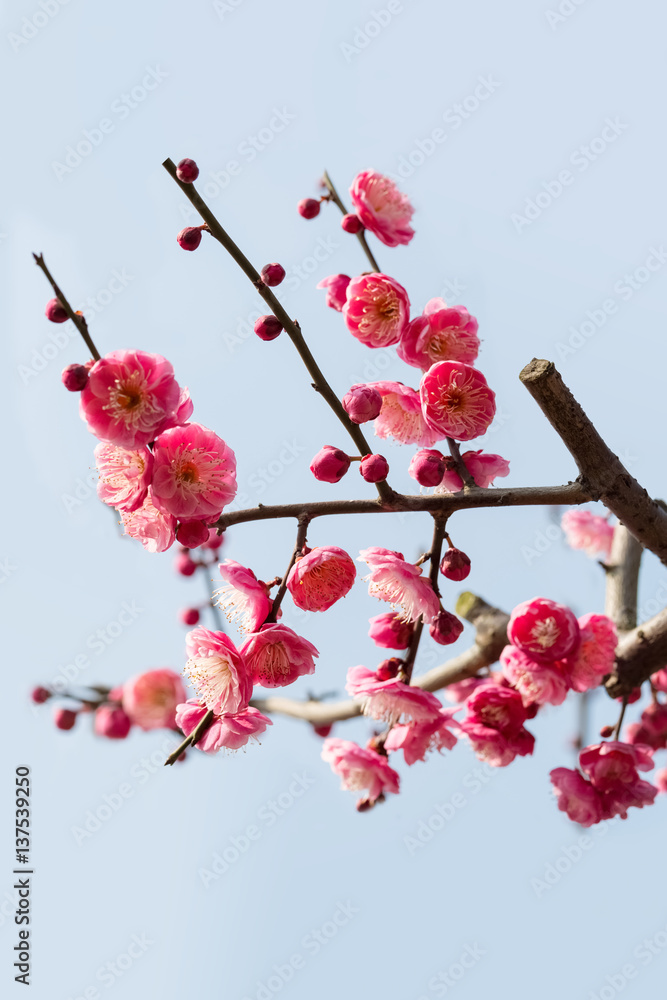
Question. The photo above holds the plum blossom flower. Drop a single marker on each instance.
(321, 577)
(594, 658)
(456, 400)
(588, 531)
(276, 656)
(336, 286)
(495, 724)
(537, 683)
(576, 796)
(401, 415)
(244, 598)
(128, 397)
(391, 700)
(400, 583)
(659, 679)
(389, 631)
(612, 765)
(124, 475)
(382, 208)
(417, 738)
(217, 672)
(194, 475)
(360, 769)
(377, 309)
(543, 629)
(484, 468)
(460, 691)
(156, 531)
(226, 731)
(150, 699)
(442, 333)
(111, 721)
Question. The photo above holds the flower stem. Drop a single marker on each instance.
(190, 740)
(304, 521)
(461, 467)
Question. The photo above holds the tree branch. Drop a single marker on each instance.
(622, 579)
(361, 235)
(602, 475)
(78, 320)
(639, 654)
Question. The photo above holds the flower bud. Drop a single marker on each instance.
(631, 698)
(272, 274)
(351, 223)
(111, 722)
(374, 468)
(39, 695)
(189, 238)
(445, 628)
(74, 377)
(323, 731)
(188, 616)
(184, 565)
(362, 403)
(309, 208)
(388, 668)
(64, 718)
(455, 564)
(428, 467)
(268, 327)
(192, 533)
(363, 805)
(187, 171)
(330, 464)
(214, 539)
(606, 732)
(55, 311)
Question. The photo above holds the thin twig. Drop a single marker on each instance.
(361, 235)
(304, 521)
(78, 320)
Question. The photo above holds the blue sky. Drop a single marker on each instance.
(527, 135)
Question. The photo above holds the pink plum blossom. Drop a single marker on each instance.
(659, 679)
(417, 738)
(456, 400)
(537, 683)
(460, 691)
(660, 778)
(495, 748)
(111, 721)
(377, 309)
(612, 764)
(217, 671)
(401, 415)
(390, 700)
(576, 797)
(543, 629)
(382, 208)
(594, 658)
(360, 769)
(494, 724)
(150, 699)
(156, 531)
(124, 475)
(192, 534)
(390, 631)
(400, 583)
(321, 577)
(226, 731)
(442, 333)
(194, 475)
(275, 656)
(244, 598)
(336, 286)
(588, 531)
(484, 468)
(128, 396)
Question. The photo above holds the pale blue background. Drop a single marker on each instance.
(69, 574)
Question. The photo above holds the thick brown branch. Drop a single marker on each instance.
(622, 572)
(639, 654)
(491, 625)
(602, 475)
(525, 496)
